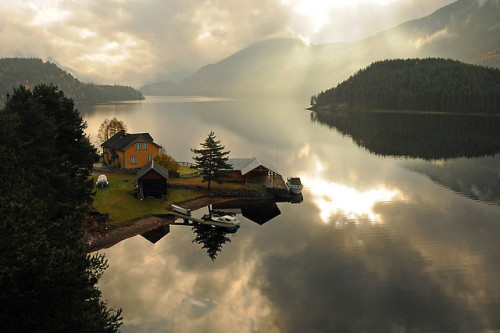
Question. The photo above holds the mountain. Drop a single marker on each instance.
(256, 69)
(157, 88)
(28, 72)
(430, 84)
(466, 30)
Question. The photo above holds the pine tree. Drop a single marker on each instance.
(212, 159)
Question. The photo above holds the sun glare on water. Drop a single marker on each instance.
(339, 203)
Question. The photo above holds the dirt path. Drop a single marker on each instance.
(95, 241)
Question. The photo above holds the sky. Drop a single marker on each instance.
(133, 42)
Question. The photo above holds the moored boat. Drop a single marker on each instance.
(294, 184)
(227, 220)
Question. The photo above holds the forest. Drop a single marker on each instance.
(431, 84)
(29, 72)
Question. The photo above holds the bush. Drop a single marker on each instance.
(168, 162)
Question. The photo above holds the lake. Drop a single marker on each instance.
(385, 240)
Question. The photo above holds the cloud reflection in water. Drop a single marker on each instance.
(354, 205)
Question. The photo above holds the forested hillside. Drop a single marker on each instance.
(15, 72)
(417, 84)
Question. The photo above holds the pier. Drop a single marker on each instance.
(197, 220)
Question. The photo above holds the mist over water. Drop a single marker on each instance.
(379, 243)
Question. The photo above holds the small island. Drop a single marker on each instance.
(427, 85)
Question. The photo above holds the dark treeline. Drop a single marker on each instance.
(47, 280)
(15, 72)
(417, 84)
(427, 136)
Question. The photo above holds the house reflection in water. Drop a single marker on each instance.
(259, 212)
(156, 234)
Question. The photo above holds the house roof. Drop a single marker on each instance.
(245, 165)
(121, 140)
(152, 166)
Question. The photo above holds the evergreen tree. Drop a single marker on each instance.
(212, 159)
(47, 281)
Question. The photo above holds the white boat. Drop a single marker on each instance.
(181, 210)
(230, 220)
(294, 184)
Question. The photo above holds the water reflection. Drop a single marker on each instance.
(410, 255)
(340, 204)
(428, 136)
(156, 234)
(260, 211)
(211, 238)
(477, 178)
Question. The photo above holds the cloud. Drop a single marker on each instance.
(131, 41)
(443, 33)
(127, 41)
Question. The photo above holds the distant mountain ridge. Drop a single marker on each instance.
(466, 30)
(28, 72)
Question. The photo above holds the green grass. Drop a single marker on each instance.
(184, 170)
(117, 200)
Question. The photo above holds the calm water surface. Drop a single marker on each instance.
(379, 244)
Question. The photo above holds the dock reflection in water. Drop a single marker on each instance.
(212, 238)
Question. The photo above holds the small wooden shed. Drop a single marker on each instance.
(152, 180)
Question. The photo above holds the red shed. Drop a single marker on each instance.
(152, 180)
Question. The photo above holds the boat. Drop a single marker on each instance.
(181, 210)
(227, 220)
(294, 184)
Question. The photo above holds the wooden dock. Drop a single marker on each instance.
(197, 220)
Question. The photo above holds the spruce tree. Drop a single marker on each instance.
(212, 159)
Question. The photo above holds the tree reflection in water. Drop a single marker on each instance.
(212, 238)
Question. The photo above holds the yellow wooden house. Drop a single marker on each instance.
(129, 150)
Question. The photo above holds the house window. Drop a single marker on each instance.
(137, 146)
(144, 146)
(150, 157)
(133, 160)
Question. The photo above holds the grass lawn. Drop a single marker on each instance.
(117, 200)
(184, 170)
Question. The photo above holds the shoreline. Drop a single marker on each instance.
(95, 241)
